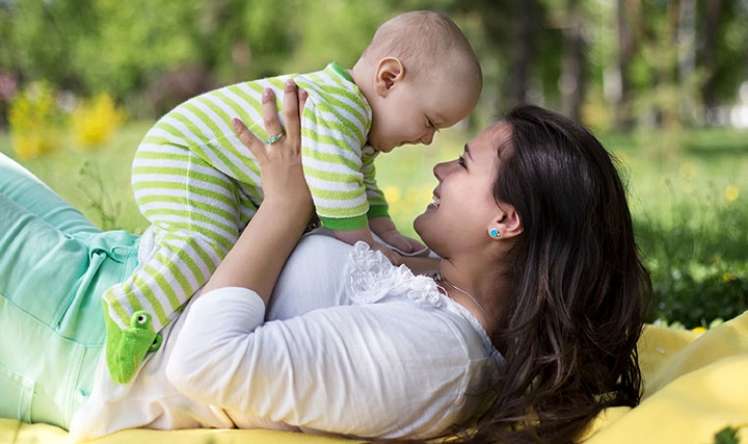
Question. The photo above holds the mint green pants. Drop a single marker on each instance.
(54, 267)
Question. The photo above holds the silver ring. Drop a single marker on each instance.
(275, 138)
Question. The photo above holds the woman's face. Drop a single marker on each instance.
(464, 208)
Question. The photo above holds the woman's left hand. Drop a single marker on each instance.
(280, 161)
(256, 260)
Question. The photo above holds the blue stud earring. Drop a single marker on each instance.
(494, 233)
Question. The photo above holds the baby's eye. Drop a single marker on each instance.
(461, 161)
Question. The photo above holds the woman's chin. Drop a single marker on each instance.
(420, 226)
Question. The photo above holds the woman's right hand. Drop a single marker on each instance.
(280, 162)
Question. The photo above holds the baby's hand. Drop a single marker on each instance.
(389, 253)
(352, 236)
(403, 243)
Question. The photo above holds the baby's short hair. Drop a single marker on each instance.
(423, 39)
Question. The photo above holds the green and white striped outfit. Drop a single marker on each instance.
(199, 186)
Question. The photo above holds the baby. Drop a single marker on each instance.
(198, 186)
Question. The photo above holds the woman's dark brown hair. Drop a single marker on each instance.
(579, 288)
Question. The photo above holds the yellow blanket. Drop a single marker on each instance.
(695, 385)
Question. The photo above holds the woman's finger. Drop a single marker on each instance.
(303, 95)
(270, 114)
(249, 140)
(291, 113)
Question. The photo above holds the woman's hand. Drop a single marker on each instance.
(257, 258)
(280, 162)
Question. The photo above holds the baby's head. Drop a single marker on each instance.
(419, 74)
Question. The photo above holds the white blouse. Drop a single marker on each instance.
(351, 345)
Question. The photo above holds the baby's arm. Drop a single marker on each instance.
(387, 231)
(378, 215)
(363, 234)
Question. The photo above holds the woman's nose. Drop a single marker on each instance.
(440, 170)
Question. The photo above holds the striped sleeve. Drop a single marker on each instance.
(377, 203)
(331, 154)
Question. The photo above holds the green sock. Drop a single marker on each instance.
(126, 348)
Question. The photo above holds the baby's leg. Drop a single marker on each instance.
(195, 214)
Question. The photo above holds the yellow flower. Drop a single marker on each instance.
(94, 121)
(30, 145)
(34, 121)
(392, 194)
(727, 277)
(698, 330)
(731, 193)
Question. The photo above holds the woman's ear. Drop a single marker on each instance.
(506, 224)
(390, 71)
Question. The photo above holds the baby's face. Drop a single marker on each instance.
(414, 110)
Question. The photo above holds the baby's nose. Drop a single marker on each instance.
(428, 138)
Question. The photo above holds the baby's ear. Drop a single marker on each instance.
(390, 71)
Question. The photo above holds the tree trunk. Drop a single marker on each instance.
(621, 89)
(686, 40)
(573, 82)
(708, 59)
(524, 33)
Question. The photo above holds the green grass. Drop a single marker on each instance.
(61, 170)
(692, 229)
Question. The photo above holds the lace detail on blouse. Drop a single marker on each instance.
(373, 278)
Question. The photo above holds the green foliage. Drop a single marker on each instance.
(691, 221)
(97, 192)
(89, 46)
(40, 36)
(728, 435)
(354, 25)
(732, 43)
(127, 44)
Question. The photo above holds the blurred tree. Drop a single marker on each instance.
(573, 81)
(640, 57)
(621, 89)
(708, 53)
(686, 44)
(131, 45)
(319, 43)
(523, 35)
(508, 42)
(39, 38)
(723, 53)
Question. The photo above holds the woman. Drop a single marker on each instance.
(531, 320)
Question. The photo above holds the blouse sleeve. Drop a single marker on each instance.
(382, 370)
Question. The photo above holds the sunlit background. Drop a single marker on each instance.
(664, 84)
